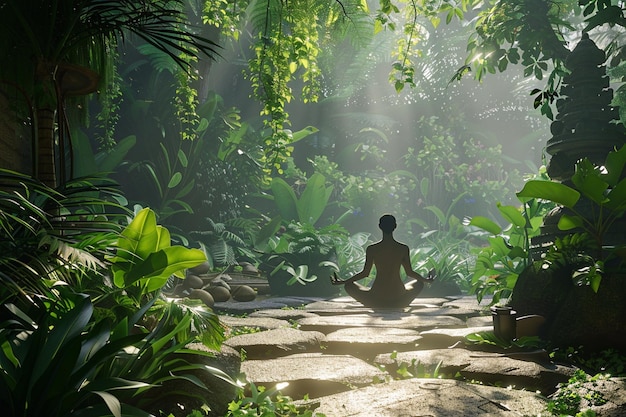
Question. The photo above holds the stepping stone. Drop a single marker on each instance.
(397, 319)
(443, 338)
(262, 323)
(246, 307)
(367, 342)
(277, 342)
(505, 371)
(313, 374)
(261, 303)
(480, 321)
(430, 300)
(283, 314)
(295, 301)
(430, 397)
(421, 362)
(461, 312)
(327, 308)
(470, 302)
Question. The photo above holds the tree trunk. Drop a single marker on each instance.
(46, 155)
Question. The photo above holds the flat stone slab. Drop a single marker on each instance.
(283, 314)
(246, 307)
(430, 397)
(480, 321)
(261, 323)
(332, 307)
(461, 312)
(535, 372)
(367, 342)
(400, 320)
(276, 342)
(343, 305)
(442, 338)
(262, 303)
(420, 362)
(506, 371)
(469, 302)
(430, 300)
(313, 374)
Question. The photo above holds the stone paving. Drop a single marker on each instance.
(355, 361)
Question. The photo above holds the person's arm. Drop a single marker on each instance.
(408, 268)
(367, 268)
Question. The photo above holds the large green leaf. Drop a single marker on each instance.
(314, 199)
(140, 237)
(486, 224)
(551, 191)
(567, 222)
(303, 133)
(266, 232)
(617, 197)
(69, 327)
(110, 160)
(164, 239)
(163, 263)
(615, 162)
(285, 199)
(512, 214)
(589, 182)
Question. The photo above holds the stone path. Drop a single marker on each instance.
(354, 361)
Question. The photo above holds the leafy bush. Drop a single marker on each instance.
(508, 252)
(267, 403)
(64, 364)
(586, 227)
(50, 236)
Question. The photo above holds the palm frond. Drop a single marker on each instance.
(49, 235)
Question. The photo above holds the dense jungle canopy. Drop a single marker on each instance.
(286, 54)
(354, 88)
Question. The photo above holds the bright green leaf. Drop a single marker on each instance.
(175, 180)
(486, 224)
(567, 222)
(512, 214)
(182, 158)
(551, 191)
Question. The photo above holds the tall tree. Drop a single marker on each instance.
(62, 48)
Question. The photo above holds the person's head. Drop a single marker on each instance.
(387, 223)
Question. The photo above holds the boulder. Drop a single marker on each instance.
(243, 293)
(193, 282)
(219, 293)
(201, 269)
(203, 296)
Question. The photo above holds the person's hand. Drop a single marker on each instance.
(335, 280)
(432, 274)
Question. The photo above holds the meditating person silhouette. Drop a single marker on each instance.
(387, 255)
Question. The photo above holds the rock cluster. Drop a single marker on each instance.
(353, 361)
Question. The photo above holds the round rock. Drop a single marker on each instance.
(243, 293)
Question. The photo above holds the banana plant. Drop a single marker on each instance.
(145, 257)
(308, 208)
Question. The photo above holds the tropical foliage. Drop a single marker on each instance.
(604, 188)
(84, 329)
